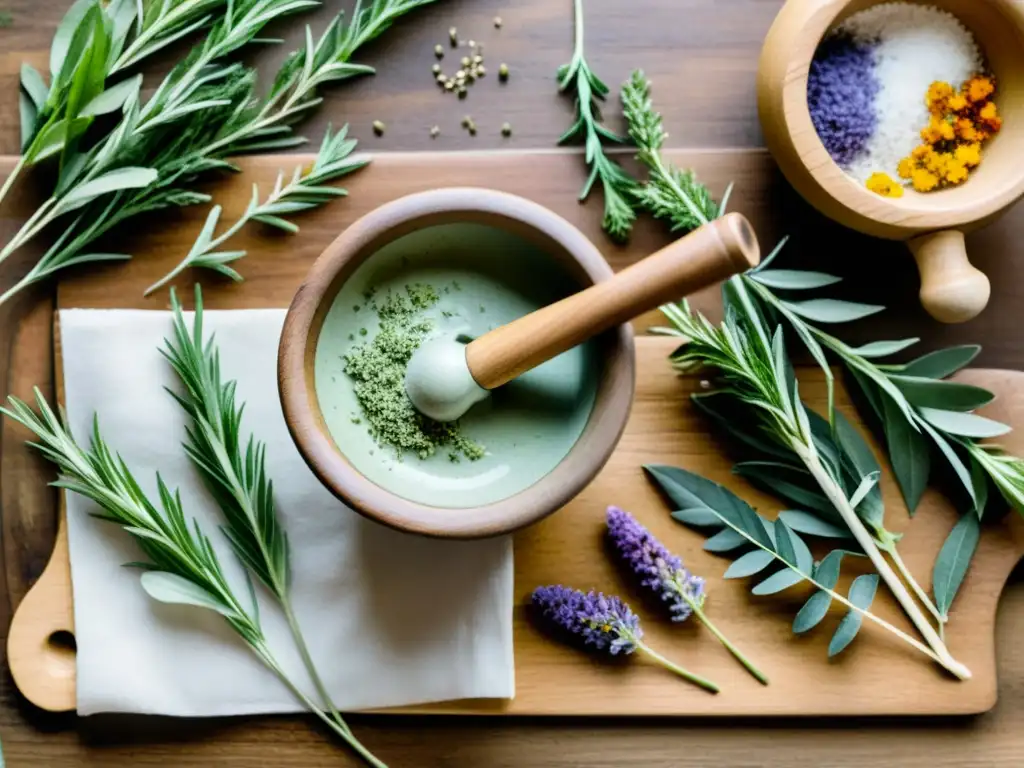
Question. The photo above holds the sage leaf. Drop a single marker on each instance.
(65, 33)
(954, 461)
(52, 139)
(113, 98)
(32, 83)
(909, 454)
(883, 348)
(946, 395)
(831, 310)
(794, 279)
(942, 362)
(812, 525)
(980, 479)
(700, 517)
(777, 582)
(175, 590)
(767, 260)
(812, 612)
(28, 114)
(114, 181)
(714, 405)
(725, 540)
(964, 424)
(749, 564)
(783, 481)
(862, 592)
(953, 561)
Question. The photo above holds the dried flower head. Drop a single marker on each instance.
(658, 568)
(604, 622)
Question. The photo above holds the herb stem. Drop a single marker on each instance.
(671, 665)
(908, 577)
(307, 659)
(9, 181)
(838, 498)
(702, 617)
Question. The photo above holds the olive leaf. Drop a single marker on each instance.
(954, 559)
(942, 362)
(705, 504)
(963, 424)
(794, 279)
(831, 310)
(883, 348)
(935, 393)
(909, 454)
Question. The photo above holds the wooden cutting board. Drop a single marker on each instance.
(877, 675)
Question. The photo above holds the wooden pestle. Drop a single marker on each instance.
(713, 252)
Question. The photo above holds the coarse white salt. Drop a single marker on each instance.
(913, 46)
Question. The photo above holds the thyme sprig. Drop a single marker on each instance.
(589, 90)
(303, 192)
(182, 567)
(669, 193)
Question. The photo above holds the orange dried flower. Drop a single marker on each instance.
(924, 180)
(968, 154)
(883, 184)
(937, 95)
(979, 88)
(957, 103)
(965, 130)
(906, 168)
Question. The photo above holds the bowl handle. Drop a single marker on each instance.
(952, 289)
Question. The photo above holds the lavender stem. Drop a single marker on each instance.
(702, 617)
(696, 679)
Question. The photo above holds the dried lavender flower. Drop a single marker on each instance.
(663, 572)
(604, 622)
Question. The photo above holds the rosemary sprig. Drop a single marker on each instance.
(669, 193)
(754, 369)
(234, 470)
(618, 185)
(183, 567)
(303, 192)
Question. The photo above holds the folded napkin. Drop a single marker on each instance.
(391, 619)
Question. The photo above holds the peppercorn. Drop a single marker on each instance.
(506, 129)
(436, 69)
(453, 36)
(439, 51)
(497, 22)
(503, 72)
(379, 127)
(435, 132)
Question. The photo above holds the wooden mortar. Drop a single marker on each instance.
(932, 224)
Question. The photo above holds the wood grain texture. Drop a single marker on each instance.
(702, 55)
(569, 547)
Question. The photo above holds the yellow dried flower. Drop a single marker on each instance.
(937, 95)
(924, 180)
(979, 88)
(883, 184)
(906, 168)
(957, 103)
(969, 154)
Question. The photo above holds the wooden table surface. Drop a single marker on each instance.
(702, 56)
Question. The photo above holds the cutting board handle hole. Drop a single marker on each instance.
(62, 641)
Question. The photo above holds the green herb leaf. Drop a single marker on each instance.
(812, 612)
(954, 461)
(753, 562)
(114, 181)
(862, 593)
(698, 516)
(945, 395)
(175, 590)
(942, 362)
(812, 525)
(831, 310)
(787, 482)
(953, 561)
(33, 85)
(112, 99)
(964, 424)
(793, 279)
(908, 454)
(883, 348)
(65, 33)
(777, 582)
(724, 541)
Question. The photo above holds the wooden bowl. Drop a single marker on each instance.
(932, 224)
(579, 259)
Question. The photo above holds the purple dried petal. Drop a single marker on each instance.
(658, 569)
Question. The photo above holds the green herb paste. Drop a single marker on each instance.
(377, 369)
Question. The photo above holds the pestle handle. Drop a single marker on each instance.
(707, 255)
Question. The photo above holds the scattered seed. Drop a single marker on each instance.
(439, 51)
(453, 35)
(506, 129)
(472, 43)
(436, 69)
(435, 132)
(462, 91)
(478, 59)
(460, 75)
(379, 127)
(481, 71)
(465, 61)
(449, 85)
(472, 130)
(467, 121)
(441, 79)
(497, 22)
(503, 72)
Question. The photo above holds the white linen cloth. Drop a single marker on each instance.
(391, 619)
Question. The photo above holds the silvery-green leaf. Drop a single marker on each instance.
(27, 113)
(720, 408)
(777, 582)
(953, 560)
(862, 592)
(831, 310)
(175, 590)
(909, 454)
(883, 348)
(954, 461)
(946, 395)
(65, 32)
(749, 564)
(980, 479)
(697, 516)
(812, 525)
(784, 543)
(770, 257)
(786, 482)
(113, 98)
(964, 424)
(725, 540)
(869, 482)
(826, 573)
(812, 612)
(32, 83)
(122, 178)
(52, 139)
(942, 362)
(277, 223)
(872, 394)
(794, 279)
